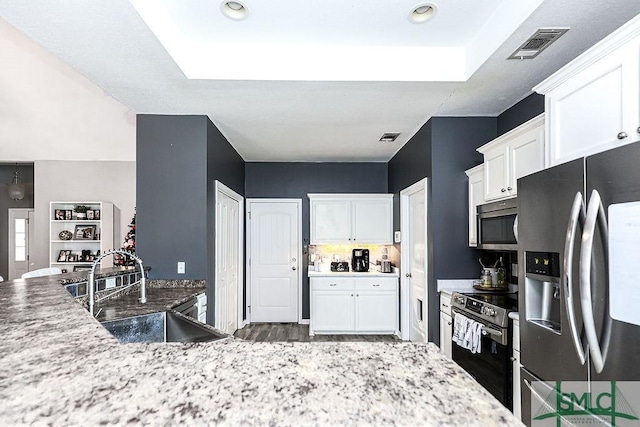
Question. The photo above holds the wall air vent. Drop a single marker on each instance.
(538, 42)
(389, 137)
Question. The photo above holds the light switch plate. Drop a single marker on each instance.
(396, 237)
(181, 267)
(110, 282)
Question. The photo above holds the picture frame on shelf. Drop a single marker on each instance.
(72, 257)
(90, 214)
(68, 214)
(60, 215)
(64, 255)
(84, 232)
(96, 214)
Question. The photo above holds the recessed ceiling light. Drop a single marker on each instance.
(234, 10)
(389, 137)
(422, 13)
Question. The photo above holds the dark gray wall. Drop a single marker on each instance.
(6, 176)
(224, 164)
(519, 113)
(171, 194)
(442, 150)
(295, 180)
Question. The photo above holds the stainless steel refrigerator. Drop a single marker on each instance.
(579, 278)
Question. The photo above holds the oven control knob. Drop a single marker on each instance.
(491, 312)
(459, 300)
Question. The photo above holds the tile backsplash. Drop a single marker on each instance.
(343, 252)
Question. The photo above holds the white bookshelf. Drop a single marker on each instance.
(98, 236)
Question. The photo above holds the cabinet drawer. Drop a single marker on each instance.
(329, 283)
(376, 284)
(445, 303)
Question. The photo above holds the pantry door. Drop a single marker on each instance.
(229, 239)
(413, 206)
(275, 241)
(21, 235)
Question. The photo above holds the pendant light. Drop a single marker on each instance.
(16, 188)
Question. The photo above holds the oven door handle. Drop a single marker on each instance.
(491, 331)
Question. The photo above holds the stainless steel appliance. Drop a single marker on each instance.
(492, 367)
(360, 260)
(498, 225)
(385, 266)
(579, 276)
(339, 266)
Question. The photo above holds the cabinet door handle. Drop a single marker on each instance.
(449, 323)
(622, 135)
(356, 295)
(502, 190)
(293, 268)
(509, 188)
(377, 284)
(638, 130)
(513, 359)
(333, 284)
(408, 275)
(351, 294)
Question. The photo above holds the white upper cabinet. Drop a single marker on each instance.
(515, 154)
(476, 198)
(593, 103)
(351, 218)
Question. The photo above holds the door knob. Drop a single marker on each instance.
(638, 130)
(408, 275)
(293, 268)
(622, 135)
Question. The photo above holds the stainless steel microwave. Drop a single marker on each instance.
(498, 225)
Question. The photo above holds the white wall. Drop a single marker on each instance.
(60, 181)
(48, 111)
(82, 141)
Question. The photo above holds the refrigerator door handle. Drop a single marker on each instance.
(577, 217)
(595, 216)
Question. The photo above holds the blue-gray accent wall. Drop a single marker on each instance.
(179, 158)
(295, 180)
(527, 109)
(441, 151)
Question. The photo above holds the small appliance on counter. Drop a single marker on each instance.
(385, 266)
(339, 266)
(360, 260)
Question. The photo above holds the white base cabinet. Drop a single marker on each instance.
(351, 218)
(360, 305)
(446, 324)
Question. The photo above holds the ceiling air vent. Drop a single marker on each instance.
(389, 137)
(538, 42)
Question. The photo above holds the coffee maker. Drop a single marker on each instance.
(360, 260)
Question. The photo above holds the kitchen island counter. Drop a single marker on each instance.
(59, 366)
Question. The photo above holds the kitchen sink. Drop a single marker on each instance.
(164, 326)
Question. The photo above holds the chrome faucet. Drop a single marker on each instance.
(91, 280)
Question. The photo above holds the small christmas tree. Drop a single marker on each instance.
(128, 245)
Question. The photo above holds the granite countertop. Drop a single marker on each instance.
(58, 366)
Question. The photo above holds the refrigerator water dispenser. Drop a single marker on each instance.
(542, 293)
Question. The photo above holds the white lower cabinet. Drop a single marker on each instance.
(332, 311)
(446, 324)
(345, 305)
(517, 404)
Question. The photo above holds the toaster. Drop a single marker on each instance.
(339, 266)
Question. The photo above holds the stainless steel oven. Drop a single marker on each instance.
(498, 225)
(492, 366)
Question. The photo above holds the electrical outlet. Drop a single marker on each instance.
(181, 267)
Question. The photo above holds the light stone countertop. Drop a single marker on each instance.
(58, 366)
(370, 273)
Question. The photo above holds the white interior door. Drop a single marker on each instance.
(414, 253)
(228, 263)
(274, 256)
(19, 238)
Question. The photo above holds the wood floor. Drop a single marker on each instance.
(292, 332)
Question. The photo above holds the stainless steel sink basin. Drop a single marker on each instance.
(164, 326)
